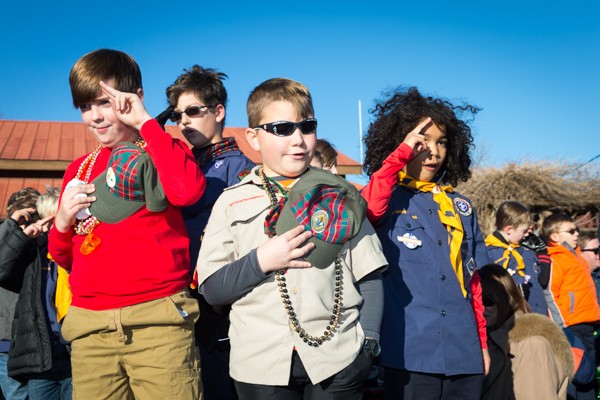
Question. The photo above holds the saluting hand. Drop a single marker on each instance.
(416, 137)
(128, 107)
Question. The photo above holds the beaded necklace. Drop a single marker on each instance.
(334, 321)
(86, 226)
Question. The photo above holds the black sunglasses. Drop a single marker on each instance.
(190, 112)
(286, 128)
(571, 231)
(596, 250)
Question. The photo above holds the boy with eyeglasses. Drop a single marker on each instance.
(198, 99)
(590, 249)
(572, 287)
(289, 247)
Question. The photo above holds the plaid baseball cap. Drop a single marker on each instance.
(327, 205)
(129, 182)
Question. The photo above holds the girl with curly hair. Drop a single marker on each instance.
(433, 335)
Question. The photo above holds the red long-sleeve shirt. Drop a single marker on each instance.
(146, 256)
(378, 192)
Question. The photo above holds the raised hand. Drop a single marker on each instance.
(284, 251)
(416, 138)
(37, 228)
(23, 216)
(128, 107)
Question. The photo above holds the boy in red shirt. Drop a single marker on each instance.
(131, 322)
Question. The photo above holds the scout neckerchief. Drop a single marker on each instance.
(448, 217)
(282, 184)
(62, 294)
(510, 250)
(206, 154)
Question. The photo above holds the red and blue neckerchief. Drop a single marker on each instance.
(206, 154)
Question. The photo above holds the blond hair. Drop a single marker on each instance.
(47, 203)
(278, 89)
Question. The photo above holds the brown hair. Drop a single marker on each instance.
(552, 224)
(498, 288)
(205, 83)
(512, 213)
(585, 236)
(278, 89)
(103, 65)
(21, 199)
(326, 153)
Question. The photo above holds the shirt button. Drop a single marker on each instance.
(443, 277)
(294, 291)
(443, 313)
(429, 211)
(439, 242)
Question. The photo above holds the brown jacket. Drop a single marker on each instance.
(543, 361)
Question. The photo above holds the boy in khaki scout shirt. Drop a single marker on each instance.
(291, 250)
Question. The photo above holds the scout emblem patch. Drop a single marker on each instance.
(410, 240)
(463, 206)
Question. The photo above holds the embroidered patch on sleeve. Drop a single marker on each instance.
(243, 174)
(463, 206)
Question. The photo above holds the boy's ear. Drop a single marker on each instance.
(554, 237)
(140, 93)
(252, 138)
(219, 113)
(507, 229)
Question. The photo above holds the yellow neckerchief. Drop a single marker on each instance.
(494, 241)
(62, 294)
(448, 216)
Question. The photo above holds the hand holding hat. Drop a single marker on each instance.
(285, 251)
(329, 207)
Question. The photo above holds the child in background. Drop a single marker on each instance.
(198, 99)
(572, 287)
(416, 149)
(590, 249)
(131, 321)
(16, 232)
(325, 156)
(305, 316)
(513, 222)
(529, 352)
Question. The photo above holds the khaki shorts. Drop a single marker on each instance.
(144, 351)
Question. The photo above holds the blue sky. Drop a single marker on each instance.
(533, 67)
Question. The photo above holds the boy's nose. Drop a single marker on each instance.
(96, 114)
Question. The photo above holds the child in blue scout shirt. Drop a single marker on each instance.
(512, 225)
(198, 98)
(290, 249)
(430, 237)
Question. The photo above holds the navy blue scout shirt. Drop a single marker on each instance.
(223, 165)
(536, 298)
(428, 326)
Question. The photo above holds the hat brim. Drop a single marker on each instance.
(110, 208)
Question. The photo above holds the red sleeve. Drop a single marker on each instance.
(477, 304)
(182, 180)
(381, 185)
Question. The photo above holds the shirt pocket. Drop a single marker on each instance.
(410, 238)
(247, 225)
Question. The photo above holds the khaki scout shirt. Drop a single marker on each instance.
(261, 338)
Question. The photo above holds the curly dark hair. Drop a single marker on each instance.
(403, 109)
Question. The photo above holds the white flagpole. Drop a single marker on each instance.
(360, 133)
